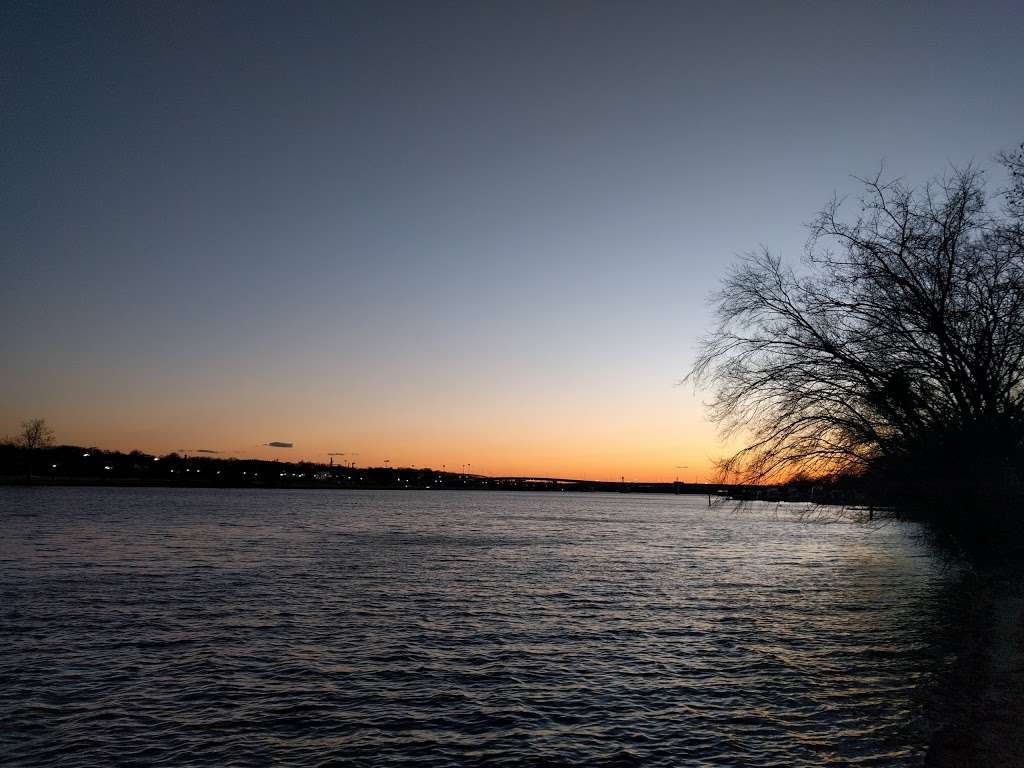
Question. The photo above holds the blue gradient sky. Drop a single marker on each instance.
(438, 233)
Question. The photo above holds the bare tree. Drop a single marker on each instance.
(898, 344)
(1014, 162)
(35, 435)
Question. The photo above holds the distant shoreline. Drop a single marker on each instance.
(71, 465)
(469, 483)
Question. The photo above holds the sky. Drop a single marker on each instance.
(439, 233)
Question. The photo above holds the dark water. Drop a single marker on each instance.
(305, 628)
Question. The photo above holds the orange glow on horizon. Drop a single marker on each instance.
(642, 466)
(578, 440)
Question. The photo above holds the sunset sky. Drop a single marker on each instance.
(439, 233)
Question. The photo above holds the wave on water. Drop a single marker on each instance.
(307, 628)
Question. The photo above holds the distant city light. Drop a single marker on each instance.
(85, 455)
(107, 466)
(156, 458)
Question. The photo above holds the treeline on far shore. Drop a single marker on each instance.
(78, 465)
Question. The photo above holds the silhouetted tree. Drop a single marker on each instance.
(896, 349)
(35, 435)
(1014, 162)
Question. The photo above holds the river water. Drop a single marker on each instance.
(307, 628)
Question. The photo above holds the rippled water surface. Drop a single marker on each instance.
(191, 627)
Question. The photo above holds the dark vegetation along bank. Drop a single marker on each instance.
(890, 362)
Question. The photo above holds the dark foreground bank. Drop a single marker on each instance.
(980, 714)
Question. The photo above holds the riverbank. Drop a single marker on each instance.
(981, 715)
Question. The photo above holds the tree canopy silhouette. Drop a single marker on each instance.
(35, 435)
(895, 351)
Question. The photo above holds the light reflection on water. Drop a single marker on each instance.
(189, 627)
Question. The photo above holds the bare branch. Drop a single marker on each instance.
(905, 332)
